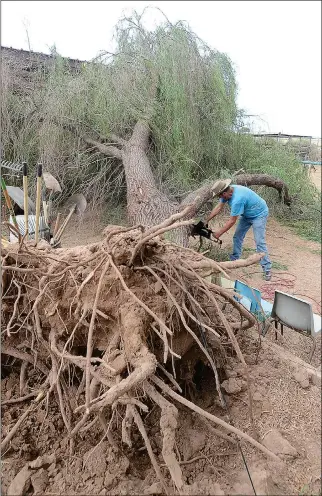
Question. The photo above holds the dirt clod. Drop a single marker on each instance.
(94, 460)
(204, 486)
(275, 442)
(39, 481)
(261, 479)
(302, 377)
(155, 488)
(194, 441)
(20, 483)
(232, 386)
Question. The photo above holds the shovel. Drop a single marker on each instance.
(53, 186)
(17, 195)
(38, 200)
(25, 196)
(77, 204)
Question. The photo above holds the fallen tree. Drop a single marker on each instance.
(146, 204)
(136, 304)
(145, 124)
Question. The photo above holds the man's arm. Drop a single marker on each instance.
(229, 224)
(215, 211)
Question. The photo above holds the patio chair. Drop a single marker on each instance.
(297, 315)
(251, 299)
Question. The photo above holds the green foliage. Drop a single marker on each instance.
(186, 90)
(217, 254)
(304, 214)
(279, 266)
(316, 252)
(249, 250)
(308, 229)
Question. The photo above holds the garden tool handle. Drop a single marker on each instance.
(57, 224)
(25, 196)
(64, 225)
(8, 202)
(38, 199)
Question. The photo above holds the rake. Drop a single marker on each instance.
(15, 167)
(53, 186)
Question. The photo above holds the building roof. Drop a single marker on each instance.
(281, 135)
(9, 52)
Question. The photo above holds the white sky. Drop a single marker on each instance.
(274, 45)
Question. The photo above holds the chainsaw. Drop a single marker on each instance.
(203, 231)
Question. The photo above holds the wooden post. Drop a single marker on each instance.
(25, 197)
(38, 200)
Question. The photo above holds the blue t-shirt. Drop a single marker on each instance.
(246, 202)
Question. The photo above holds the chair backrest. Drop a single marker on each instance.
(293, 312)
(31, 227)
(254, 295)
(227, 283)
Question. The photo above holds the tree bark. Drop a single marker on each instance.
(203, 194)
(146, 205)
(265, 180)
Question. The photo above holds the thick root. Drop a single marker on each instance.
(168, 425)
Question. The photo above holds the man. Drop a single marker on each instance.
(252, 211)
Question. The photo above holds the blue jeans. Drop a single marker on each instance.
(259, 229)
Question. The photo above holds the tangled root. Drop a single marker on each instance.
(141, 302)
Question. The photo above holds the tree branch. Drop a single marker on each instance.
(203, 194)
(120, 141)
(265, 180)
(114, 137)
(109, 150)
(196, 199)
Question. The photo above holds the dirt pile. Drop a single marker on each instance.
(104, 342)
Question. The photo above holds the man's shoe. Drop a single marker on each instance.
(267, 275)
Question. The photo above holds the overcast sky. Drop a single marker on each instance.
(275, 46)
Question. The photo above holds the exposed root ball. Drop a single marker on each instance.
(117, 317)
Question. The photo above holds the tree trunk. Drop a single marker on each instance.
(202, 195)
(265, 180)
(146, 205)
